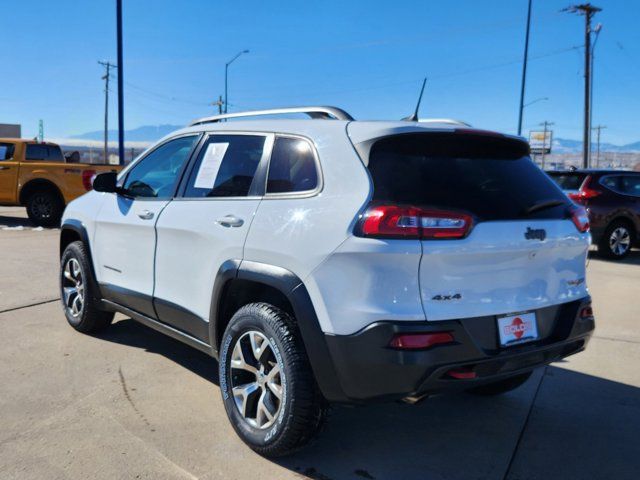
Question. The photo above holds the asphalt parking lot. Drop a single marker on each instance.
(130, 403)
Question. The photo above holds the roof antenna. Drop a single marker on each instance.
(414, 117)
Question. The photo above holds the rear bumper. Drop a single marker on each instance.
(368, 369)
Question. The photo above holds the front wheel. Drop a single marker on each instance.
(268, 389)
(76, 291)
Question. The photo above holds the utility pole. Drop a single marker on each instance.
(219, 103)
(544, 139)
(120, 83)
(588, 11)
(524, 69)
(598, 128)
(108, 66)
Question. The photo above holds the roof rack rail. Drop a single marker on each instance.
(325, 113)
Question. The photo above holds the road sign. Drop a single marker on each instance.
(540, 141)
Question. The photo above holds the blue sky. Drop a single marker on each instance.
(365, 56)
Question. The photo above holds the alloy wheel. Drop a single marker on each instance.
(620, 241)
(73, 287)
(42, 207)
(256, 379)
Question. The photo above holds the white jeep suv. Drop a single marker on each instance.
(330, 260)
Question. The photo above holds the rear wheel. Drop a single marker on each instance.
(502, 386)
(79, 301)
(617, 240)
(268, 388)
(45, 208)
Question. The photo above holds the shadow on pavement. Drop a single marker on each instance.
(632, 259)
(12, 222)
(129, 332)
(581, 426)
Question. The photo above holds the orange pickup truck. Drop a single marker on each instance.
(38, 176)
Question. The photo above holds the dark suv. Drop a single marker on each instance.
(612, 198)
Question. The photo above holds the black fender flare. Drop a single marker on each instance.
(295, 291)
(77, 227)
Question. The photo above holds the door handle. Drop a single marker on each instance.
(230, 221)
(4, 168)
(145, 215)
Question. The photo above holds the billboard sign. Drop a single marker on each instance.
(540, 141)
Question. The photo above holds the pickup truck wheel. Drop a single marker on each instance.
(76, 291)
(502, 386)
(45, 208)
(268, 388)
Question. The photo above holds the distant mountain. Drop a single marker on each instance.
(151, 133)
(564, 145)
(146, 133)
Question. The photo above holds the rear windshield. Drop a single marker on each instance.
(492, 178)
(568, 181)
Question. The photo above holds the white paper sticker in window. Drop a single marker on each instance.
(210, 165)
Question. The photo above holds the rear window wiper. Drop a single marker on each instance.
(542, 205)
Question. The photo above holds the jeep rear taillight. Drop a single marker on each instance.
(580, 218)
(87, 179)
(392, 221)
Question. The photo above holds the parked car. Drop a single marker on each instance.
(333, 260)
(38, 176)
(612, 200)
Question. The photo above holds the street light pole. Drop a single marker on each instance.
(535, 101)
(596, 30)
(226, 78)
(120, 85)
(524, 69)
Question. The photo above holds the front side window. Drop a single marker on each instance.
(292, 167)
(6, 151)
(156, 175)
(225, 166)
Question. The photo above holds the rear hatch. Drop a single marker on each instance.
(497, 235)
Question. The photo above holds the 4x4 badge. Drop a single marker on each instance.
(535, 234)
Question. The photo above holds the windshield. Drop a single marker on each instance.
(491, 177)
(568, 181)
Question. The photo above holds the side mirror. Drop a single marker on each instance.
(105, 182)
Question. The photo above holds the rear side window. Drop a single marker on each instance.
(568, 181)
(6, 151)
(492, 178)
(49, 153)
(292, 167)
(631, 185)
(225, 166)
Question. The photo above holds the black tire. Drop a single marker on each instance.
(617, 240)
(44, 208)
(88, 317)
(502, 386)
(302, 410)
